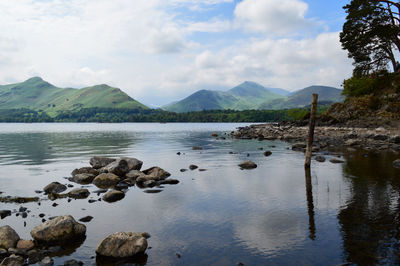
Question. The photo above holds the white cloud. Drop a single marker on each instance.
(157, 55)
(275, 17)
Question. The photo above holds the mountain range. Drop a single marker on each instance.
(37, 94)
(250, 95)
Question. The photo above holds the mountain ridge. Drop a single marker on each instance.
(38, 94)
(252, 96)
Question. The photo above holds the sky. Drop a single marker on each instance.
(159, 51)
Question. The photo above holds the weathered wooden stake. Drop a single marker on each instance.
(311, 130)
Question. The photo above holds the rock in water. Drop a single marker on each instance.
(100, 162)
(8, 237)
(85, 178)
(79, 193)
(248, 165)
(119, 167)
(85, 170)
(13, 260)
(133, 163)
(267, 153)
(113, 196)
(396, 163)
(4, 213)
(122, 245)
(334, 160)
(320, 158)
(25, 244)
(193, 167)
(157, 173)
(106, 180)
(73, 263)
(46, 261)
(58, 230)
(55, 188)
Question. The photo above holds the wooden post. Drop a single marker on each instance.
(311, 131)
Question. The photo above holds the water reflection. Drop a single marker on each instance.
(370, 220)
(269, 215)
(42, 148)
(310, 203)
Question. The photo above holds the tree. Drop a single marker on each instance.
(371, 34)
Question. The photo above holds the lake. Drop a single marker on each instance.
(276, 214)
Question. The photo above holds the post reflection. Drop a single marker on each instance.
(310, 204)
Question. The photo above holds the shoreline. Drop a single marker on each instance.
(325, 136)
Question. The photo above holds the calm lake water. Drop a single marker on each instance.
(273, 215)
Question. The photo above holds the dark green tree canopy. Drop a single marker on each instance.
(371, 34)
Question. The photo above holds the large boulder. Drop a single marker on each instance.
(133, 163)
(106, 180)
(8, 237)
(99, 162)
(25, 244)
(58, 230)
(248, 165)
(113, 196)
(122, 245)
(85, 170)
(119, 167)
(396, 163)
(54, 188)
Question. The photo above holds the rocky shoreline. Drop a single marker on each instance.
(325, 136)
(112, 177)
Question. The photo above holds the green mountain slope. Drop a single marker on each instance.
(37, 94)
(246, 96)
(303, 97)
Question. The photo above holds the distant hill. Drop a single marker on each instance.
(279, 91)
(327, 95)
(245, 96)
(37, 94)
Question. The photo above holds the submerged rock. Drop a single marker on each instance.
(99, 162)
(46, 261)
(13, 260)
(197, 148)
(169, 182)
(8, 237)
(248, 165)
(58, 230)
(73, 263)
(113, 196)
(320, 158)
(334, 160)
(396, 163)
(122, 245)
(54, 187)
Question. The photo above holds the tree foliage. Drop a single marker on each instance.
(371, 34)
